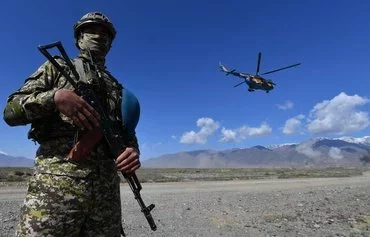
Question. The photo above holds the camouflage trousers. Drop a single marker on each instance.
(59, 205)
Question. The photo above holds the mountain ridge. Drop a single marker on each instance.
(15, 161)
(314, 152)
(345, 151)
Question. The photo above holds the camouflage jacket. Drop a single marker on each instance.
(34, 104)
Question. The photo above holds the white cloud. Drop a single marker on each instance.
(4, 153)
(339, 115)
(287, 105)
(207, 127)
(150, 146)
(228, 135)
(174, 137)
(335, 153)
(244, 132)
(293, 125)
(306, 148)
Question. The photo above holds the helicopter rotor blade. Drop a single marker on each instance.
(239, 84)
(294, 65)
(258, 63)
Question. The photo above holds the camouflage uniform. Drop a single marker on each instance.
(65, 198)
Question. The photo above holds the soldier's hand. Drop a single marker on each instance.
(74, 107)
(128, 161)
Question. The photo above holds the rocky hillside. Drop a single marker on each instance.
(318, 152)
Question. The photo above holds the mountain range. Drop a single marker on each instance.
(317, 152)
(12, 161)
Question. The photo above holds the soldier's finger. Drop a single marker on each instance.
(132, 170)
(132, 167)
(121, 158)
(90, 117)
(123, 163)
(128, 151)
(84, 121)
(136, 167)
(126, 157)
(92, 111)
(77, 122)
(130, 162)
(128, 169)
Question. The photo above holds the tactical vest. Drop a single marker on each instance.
(126, 113)
(54, 126)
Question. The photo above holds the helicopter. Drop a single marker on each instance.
(255, 81)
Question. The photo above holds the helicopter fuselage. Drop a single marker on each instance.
(258, 83)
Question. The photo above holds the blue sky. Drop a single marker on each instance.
(167, 53)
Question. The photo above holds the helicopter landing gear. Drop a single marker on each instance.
(267, 91)
(250, 90)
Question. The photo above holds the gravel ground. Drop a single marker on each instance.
(293, 207)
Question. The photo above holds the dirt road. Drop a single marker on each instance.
(250, 185)
(293, 207)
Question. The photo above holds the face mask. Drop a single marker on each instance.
(98, 44)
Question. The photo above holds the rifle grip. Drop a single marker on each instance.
(84, 145)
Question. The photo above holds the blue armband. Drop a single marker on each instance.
(130, 110)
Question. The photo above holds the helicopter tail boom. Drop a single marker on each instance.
(224, 69)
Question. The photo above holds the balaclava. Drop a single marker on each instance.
(98, 44)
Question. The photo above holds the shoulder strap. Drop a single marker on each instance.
(79, 67)
(114, 79)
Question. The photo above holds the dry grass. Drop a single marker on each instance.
(178, 175)
(220, 174)
(10, 174)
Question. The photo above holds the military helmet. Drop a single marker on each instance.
(94, 18)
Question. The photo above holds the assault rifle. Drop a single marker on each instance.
(113, 137)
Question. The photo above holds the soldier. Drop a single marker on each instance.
(73, 198)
